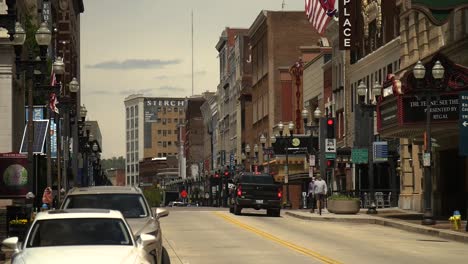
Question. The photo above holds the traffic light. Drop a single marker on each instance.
(330, 127)
(226, 173)
(216, 175)
(330, 164)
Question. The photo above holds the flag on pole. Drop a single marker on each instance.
(53, 103)
(320, 12)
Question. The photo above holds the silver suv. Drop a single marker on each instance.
(131, 202)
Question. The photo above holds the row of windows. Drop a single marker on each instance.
(132, 146)
(167, 132)
(169, 120)
(132, 180)
(166, 143)
(131, 111)
(132, 134)
(132, 168)
(132, 123)
(161, 155)
(132, 157)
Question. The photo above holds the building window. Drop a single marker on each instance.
(127, 112)
(159, 109)
(136, 110)
(132, 123)
(169, 109)
(169, 120)
(176, 120)
(132, 112)
(136, 154)
(128, 124)
(136, 122)
(164, 154)
(136, 145)
(176, 109)
(169, 143)
(175, 132)
(133, 135)
(128, 168)
(159, 132)
(164, 133)
(160, 143)
(159, 155)
(164, 144)
(164, 121)
(158, 120)
(169, 132)
(128, 157)
(128, 135)
(136, 168)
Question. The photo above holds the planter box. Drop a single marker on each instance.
(343, 206)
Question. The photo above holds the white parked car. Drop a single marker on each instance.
(80, 236)
(131, 202)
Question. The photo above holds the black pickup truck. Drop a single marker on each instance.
(258, 191)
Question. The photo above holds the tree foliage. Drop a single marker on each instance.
(153, 196)
(114, 162)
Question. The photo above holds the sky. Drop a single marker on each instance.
(144, 46)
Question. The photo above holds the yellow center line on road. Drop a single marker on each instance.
(290, 245)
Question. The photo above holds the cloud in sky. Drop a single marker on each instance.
(187, 75)
(131, 64)
(171, 89)
(101, 92)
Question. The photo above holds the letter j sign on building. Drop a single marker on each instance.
(463, 124)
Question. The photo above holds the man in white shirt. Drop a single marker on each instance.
(320, 191)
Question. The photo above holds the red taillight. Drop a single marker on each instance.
(280, 193)
(239, 191)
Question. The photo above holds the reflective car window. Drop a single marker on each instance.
(130, 205)
(79, 231)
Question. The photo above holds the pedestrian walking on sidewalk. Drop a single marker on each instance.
(320, 191)
(310, 194)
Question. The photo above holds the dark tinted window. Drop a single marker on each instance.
(79, 231)
(130, 205)
(262, 179)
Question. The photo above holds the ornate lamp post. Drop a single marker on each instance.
(370, 108)
(428, 88)
(247, 152)
(256, 157)
(31, 67)
(296, 71)
(287, 141)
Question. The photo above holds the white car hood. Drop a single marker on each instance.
(81, 254)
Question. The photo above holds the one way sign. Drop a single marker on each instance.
(330, 145)
(463, 124)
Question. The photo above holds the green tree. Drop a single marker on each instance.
(114, 162)
(153, 196)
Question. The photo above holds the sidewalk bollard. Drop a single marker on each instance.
(455, 220)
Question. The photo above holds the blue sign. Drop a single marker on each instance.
(463, 123)
(231, 161)
(380, 151)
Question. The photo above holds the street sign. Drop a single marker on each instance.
(330, 155)
(359, 156)
(330, 145)
(312, 160)
(380, 151)
(463, 124)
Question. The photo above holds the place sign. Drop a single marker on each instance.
(388, 112)
(444, 108)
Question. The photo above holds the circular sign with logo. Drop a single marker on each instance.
(183, 193)
(296, 142)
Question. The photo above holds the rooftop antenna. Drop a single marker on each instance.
(192, 52)
(282, 5)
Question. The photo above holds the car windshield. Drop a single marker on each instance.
(261, 179)
(130, 205)
(79, 231)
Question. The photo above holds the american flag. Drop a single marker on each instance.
(320, 12)
(53, 97)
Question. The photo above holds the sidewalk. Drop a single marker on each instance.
(392, 217)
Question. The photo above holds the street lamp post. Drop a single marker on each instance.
(247, 152)
(428, 88)
(312, 128)
(256, 157)
(287, 143)
(370, 108)
(31, 67)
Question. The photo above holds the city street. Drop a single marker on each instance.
(208, 235)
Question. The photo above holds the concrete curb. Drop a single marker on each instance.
(445, 234)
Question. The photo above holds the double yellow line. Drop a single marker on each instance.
(287, 244)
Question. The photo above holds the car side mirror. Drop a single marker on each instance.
(12, 243)
(161, 212)
(146, 240)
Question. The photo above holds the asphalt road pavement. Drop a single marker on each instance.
(213, 235)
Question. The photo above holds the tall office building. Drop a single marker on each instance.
(151, 126)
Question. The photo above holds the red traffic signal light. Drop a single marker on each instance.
(330, 127)
(226, 173)
(330, 163)
(216, 175)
